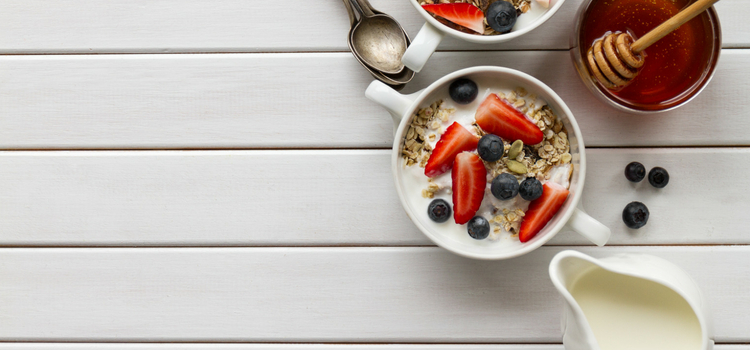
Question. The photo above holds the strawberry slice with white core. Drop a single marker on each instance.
(455, 140)
(469, 182)
(542, 209)
(496, 116)
(463, 14)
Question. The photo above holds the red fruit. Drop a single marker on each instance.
(469, 182)
(463, 14)
(455, 140)
(542, 209)
(496, 116)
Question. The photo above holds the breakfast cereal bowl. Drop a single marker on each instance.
(677, 67)
(433, 31)
(411, 181)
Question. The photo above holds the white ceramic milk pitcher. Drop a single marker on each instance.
(589, 324)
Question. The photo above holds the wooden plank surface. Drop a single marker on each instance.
(140, 346)
(313, 198)
(368, 294)
(308, 96)
(302, 100)
(224, 346)
(83, 26)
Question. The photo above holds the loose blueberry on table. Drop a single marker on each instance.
(658, 177)
(635, 215)
(635, 172)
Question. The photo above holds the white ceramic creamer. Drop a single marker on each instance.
(629, 301)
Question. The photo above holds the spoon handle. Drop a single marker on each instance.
(352, 17)
(366, 8)
(671, 24)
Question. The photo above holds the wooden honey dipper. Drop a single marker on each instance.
(615, 60)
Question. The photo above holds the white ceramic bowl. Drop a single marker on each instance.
(432, 32)
(402, 108)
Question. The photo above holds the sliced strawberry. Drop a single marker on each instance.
(497, 117)
(455, 140)
(463, 14)
(469, 182)
(542, 209)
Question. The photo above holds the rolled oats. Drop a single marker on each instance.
(510, 221)
(566, 158)
(415, 148)
(511, 97)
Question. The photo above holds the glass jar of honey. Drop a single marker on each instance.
(677, 67)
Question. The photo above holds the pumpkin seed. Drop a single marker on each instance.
(516, 167)
(515, 149)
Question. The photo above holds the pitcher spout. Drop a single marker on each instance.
(565, 270)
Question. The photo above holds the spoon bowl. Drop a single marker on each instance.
(397, 80)
(378, 39)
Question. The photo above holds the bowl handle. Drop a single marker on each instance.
(422, 47)
(588, 227)
(396, 103)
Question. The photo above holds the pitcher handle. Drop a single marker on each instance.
(396, 103)
(422, 47)
(588, 227)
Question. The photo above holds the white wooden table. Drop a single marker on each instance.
(207, 174)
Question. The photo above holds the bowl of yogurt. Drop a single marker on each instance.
(438, 23)
(552, 157)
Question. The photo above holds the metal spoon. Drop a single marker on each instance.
(396, 81)
(379, 40)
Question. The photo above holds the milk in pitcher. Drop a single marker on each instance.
(629, 313)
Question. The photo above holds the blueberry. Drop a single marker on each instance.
(490, 147)
(463, 91)
(501, 16)
(635, 172)
(478, 227)
(504, 186)
(658, 177)
(439, 210)
(635, 215)
(530, 189)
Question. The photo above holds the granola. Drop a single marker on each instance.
(425, 124)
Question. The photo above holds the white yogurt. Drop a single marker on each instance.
(627, 312)
(526, 19)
